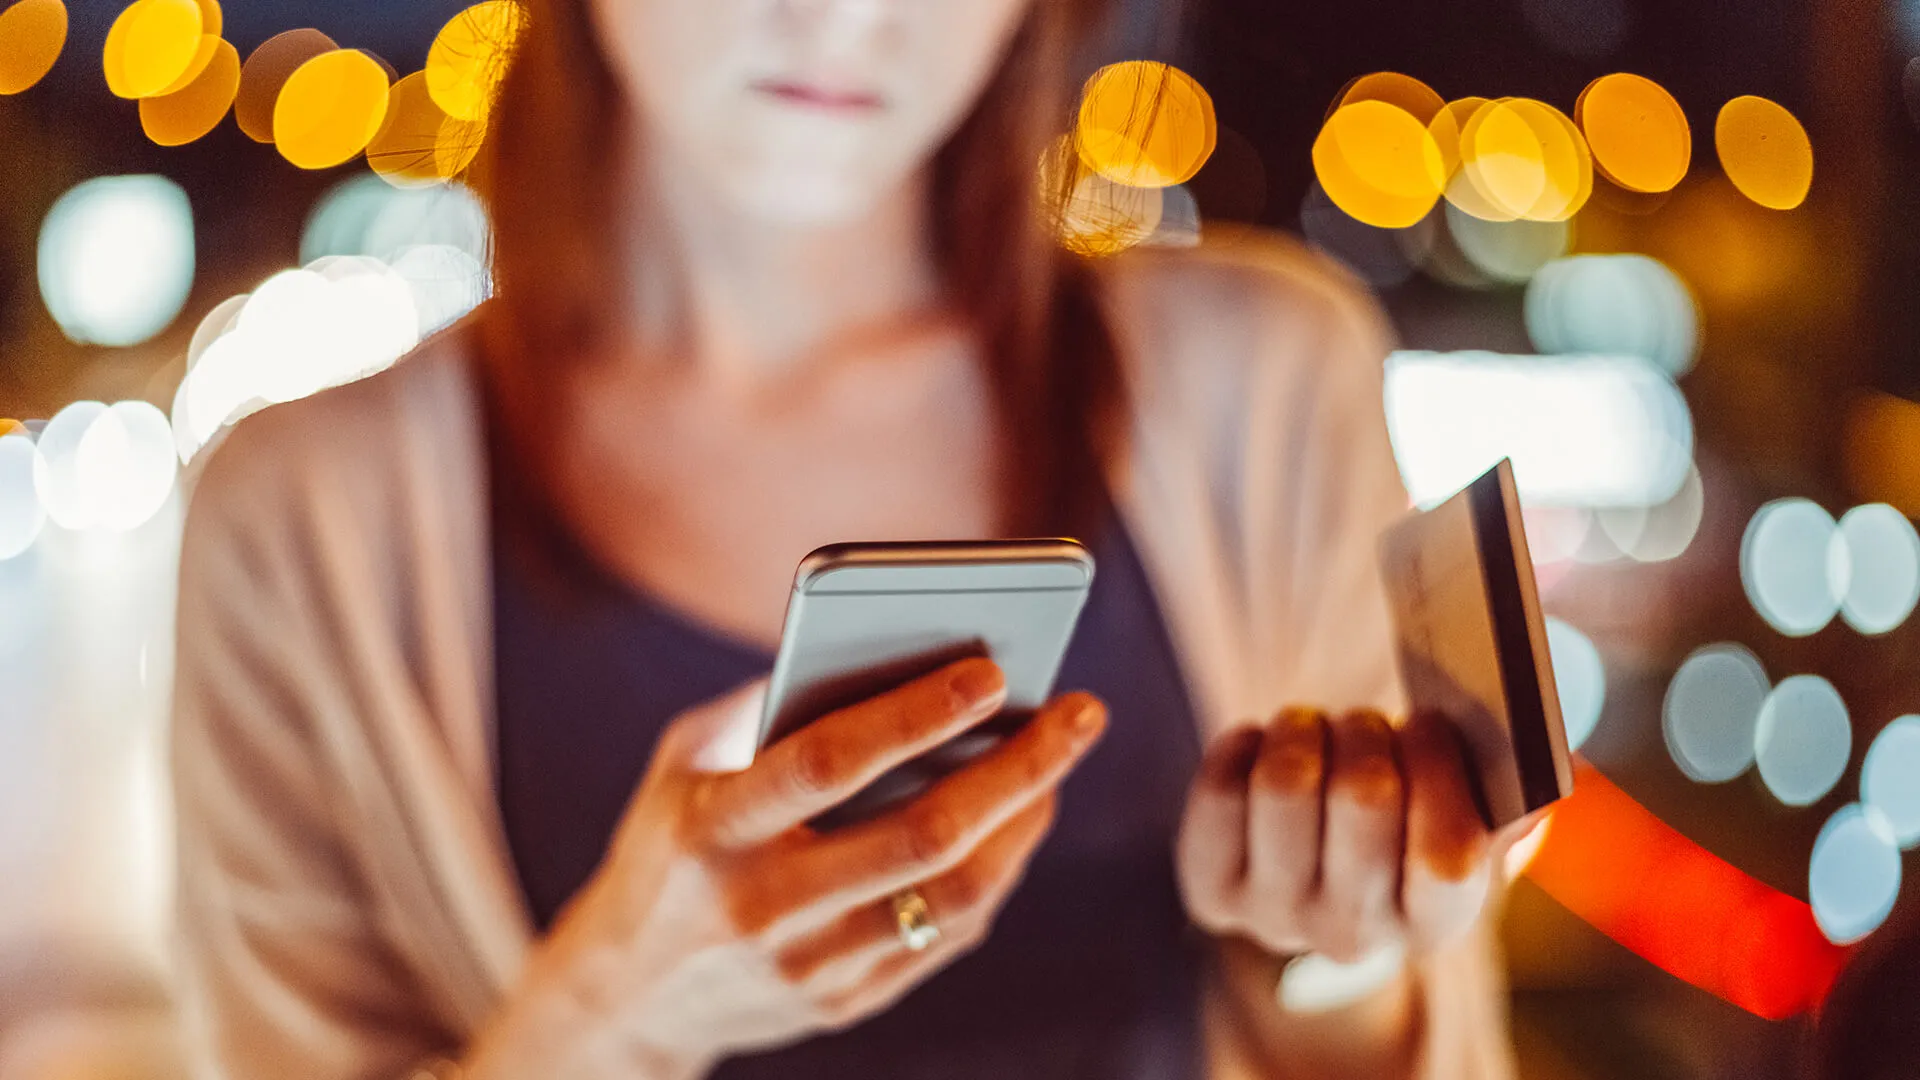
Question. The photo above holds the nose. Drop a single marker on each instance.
(834, 27)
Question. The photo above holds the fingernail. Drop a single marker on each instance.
(1090, 717)
(977, 681)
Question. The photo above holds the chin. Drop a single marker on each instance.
(796, 195)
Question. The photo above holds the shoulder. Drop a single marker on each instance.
(1256, 332)
(340, 459)
(1258, 299)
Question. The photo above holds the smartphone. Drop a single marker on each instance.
(866, 618)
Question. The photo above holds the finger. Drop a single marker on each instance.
(960, 902)
(1285, 820)
(1211, 850)
(1448, 872)
(829, 760)
(716, 737)
(1360, 857)
(938, 830)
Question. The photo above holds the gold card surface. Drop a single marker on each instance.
(1473, 642)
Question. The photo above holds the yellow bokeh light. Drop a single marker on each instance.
(1522, 158)
(32, 33)
(1104, 218)
(11, 427)
(202, 56)
(1145, 124)
(419, 144)
(1409, 93)
(330, 109)
(1379, 164)
(266, 71)
(1638, 133)
(190, 112)
(150, 46)
(1765, 152)
(469, 56)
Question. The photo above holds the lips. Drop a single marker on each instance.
(814, 95)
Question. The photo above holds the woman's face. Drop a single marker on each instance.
(805, 111)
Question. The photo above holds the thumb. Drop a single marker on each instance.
(717, 737)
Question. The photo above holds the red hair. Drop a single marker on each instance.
(552, 173)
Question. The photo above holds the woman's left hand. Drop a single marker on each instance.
(1336, 835)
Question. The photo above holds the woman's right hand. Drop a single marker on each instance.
(718, 922)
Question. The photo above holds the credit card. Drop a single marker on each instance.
(1473, 642)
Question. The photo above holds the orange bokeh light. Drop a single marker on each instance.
(419, 144)
(1765, 152)
(1522, 158)
(188, 113)
(1379, 164)
(469, 56)
(266, 71)
(1638, 132)
(330, 109)
(32, 33)
(1405, 91)
(1145, 124)
(151, 45)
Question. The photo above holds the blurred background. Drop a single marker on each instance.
(1663, 254)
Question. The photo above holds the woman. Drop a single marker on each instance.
(460, 779)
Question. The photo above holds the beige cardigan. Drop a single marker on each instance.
(347, 902)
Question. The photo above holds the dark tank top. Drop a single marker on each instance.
(1092, 969)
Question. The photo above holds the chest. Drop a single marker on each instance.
(708, 496)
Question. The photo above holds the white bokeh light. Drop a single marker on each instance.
(1590, 431)
(1873, 567)
(365, 215)
(1853, 878)
(1711, 709)
(21, 516)
(446, 281)
(341, 318)
(1802, 740)
(105, 467)
(1581, 679)
(1657, 533)
(1784, 566)
(116, 258)
(1509, 252)
(1890, 778)
(1628, 305)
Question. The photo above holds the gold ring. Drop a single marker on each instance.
(914, 920)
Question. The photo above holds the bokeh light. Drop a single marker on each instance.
(340, 318)
(1581, 679)
(1637, 132)
(1379, 164)
(1765, 152)
(1523, 158)
(1783, 566)
(418, 143)
(1179, 219)
(1402, 91)
(1617, 304)
(1873, 566)
(1507, 252)
(1890, 778)
(1582, 431)
(21, 516)
(446, 282)
(1802, 739)
(1144, 124)
(330, 109)
(266, 71)
(469, 56)
(105, 467)
(187, 114)
(1854, 876)
(1881, 431)
(1105, 218)
(364, 215)
(1657, 533)
(32, 33)
(116, 258)
(1711, 711)
(151, 45)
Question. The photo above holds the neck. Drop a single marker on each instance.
(745, 297)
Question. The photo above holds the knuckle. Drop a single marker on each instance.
(794, 967)
(819, 764)
(969, 888)
(1291, 766)
(931, 834)
(1369, 780)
